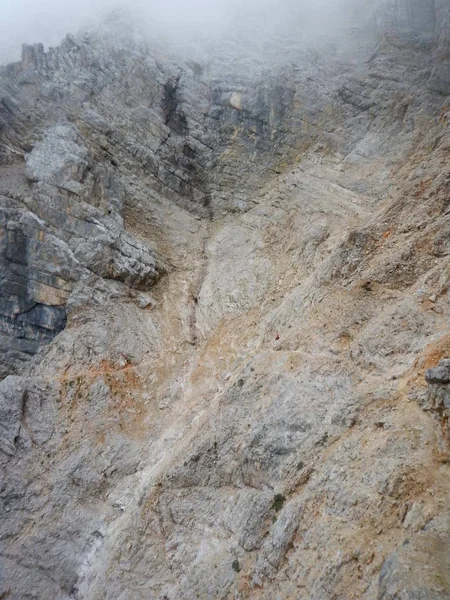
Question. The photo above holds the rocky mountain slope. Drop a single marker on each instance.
(224, 315)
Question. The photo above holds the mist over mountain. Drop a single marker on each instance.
(178, 21)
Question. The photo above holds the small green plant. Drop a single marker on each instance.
(235, 565)
(278, 502)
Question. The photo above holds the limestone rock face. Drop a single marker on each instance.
(224, 314)
(411, 18)
(419, 569)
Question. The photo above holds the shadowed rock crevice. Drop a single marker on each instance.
(173, 118)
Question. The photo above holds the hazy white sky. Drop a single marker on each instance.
(47, 21)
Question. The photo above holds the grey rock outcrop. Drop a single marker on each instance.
(70, 226)
(419, 570)
(27, 414)
(439, 374)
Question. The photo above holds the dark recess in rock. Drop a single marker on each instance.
(173, 115)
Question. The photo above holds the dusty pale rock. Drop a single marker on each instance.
(419, 569)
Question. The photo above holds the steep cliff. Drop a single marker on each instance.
(223, 306)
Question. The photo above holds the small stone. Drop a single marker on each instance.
(236, 100)
(439, 374)
(145, 301)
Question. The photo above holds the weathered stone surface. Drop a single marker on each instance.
(266, 429)
(439, 374)
(440, 79)
(59, 160)
(54, 236)
(418, 570)
(412, 21)
(27, 413)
